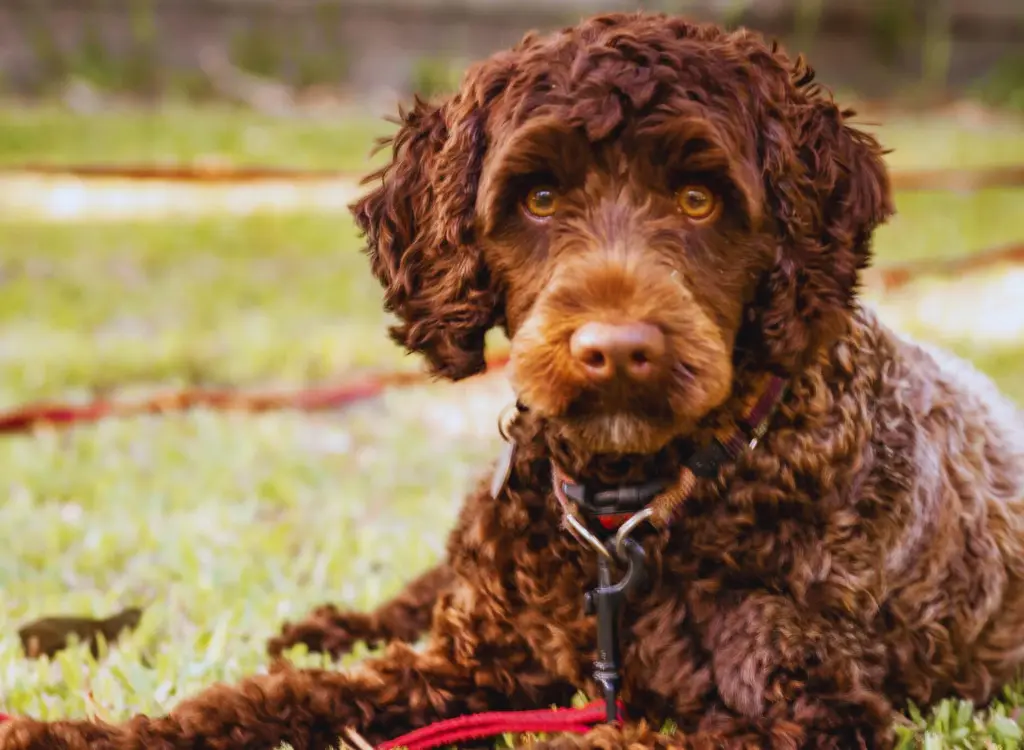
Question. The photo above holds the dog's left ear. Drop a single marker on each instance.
(829, 190)
(418, 223)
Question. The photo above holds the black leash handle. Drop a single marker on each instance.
(606, 602)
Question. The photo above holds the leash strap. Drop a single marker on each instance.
(493, 723)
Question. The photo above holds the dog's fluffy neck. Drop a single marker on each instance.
(538, 438)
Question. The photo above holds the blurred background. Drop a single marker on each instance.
(173, 183)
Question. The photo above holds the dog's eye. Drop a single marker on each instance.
(696, 201)
(541, 202)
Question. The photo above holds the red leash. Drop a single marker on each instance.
(309, 399)
(491, 724)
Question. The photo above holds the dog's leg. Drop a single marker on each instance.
(720, 732)
(606, 737)
(309, 709)
(796, 728)
(794, 679)
(332, 631)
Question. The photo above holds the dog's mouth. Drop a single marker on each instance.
(619, 433)
(650, 401)
(620, 415)
(617, 420)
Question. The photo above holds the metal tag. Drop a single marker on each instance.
(503, 469)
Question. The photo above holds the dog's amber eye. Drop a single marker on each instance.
(541, 202)
(696, 201)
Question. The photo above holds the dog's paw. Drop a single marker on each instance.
(742, 681)
(326, 630)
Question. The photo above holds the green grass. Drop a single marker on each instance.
(927, 142)
(936, 225)
(223, 525)
(180, 134)
(214, 301)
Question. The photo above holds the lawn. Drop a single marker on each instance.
(176, 133)
(223, 525)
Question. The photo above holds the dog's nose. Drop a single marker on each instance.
(608, 350)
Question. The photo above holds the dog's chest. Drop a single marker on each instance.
(562, 634)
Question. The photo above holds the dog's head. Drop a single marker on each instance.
(647, 206)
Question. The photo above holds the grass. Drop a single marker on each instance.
(940, 142)
(175, 133)
(89, 307)
(223, 525)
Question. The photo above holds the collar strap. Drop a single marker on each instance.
(613, 507)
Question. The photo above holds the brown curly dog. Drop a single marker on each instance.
(668, 220)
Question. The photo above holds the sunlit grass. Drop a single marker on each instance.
(179, 134)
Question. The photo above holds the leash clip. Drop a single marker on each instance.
(606, 602)
(622, 535)
(584, 534)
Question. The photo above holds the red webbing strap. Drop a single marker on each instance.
(491, 724)
(494, 723)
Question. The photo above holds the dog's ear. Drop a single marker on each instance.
(829, 189)
(418, 224)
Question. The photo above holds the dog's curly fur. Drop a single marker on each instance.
(868, 551)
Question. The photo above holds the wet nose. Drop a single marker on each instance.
(609, 350)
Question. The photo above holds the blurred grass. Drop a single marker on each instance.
(174, 133)
(920, 141)
(936, 225)
(221, 524)
(211, 300)
(1005, 364)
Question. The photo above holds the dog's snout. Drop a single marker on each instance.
(611, 350)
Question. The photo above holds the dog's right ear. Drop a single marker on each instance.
(418, 224)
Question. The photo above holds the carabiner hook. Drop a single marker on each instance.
(584, 534)
(622, 535)
(605, 601)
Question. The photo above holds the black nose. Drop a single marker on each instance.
(610, 350)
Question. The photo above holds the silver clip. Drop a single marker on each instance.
(585, 534)
(627, 528)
